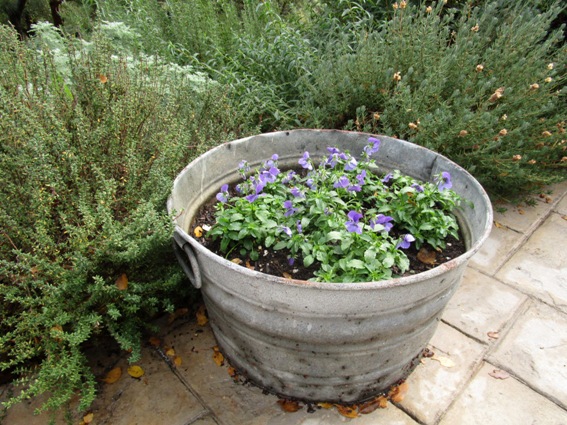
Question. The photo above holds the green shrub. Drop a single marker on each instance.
(90, 144)
(434, 77)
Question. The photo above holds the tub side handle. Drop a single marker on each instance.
(186, 257)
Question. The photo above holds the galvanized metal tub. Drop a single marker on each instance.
(339, 342)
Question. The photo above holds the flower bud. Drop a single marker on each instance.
(516, 157)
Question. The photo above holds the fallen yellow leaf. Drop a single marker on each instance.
(236, 260)
(347, 411)
(498, 225)
(177, 361)
(170, 352)
(155, 341)
(122, 282)
(232, 372)
(499, 374)
(427, 256)
(135, 371)
(325, 405)
(249, 266)
(445, 361)
(494, 335)
(371, 405)
(113, 375)
(398, 393)
(289, 405)
(198, 231)
(217, 356)
(180, 312)
(286, 275)
(88, 418)
(201, 315)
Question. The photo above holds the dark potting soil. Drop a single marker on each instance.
(276, 262)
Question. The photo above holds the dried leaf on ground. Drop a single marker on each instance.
(217, 356)
(177, 361)
(201, 315)
(170, 352)
(427, 256)
(198, 231)
(371, 405)
(88, 418)
(289, 406)
(286, 275)
(154, 341)
(499, 374)
(493, 334)
(113, 375)
(180, 312)
(232, 372)
(249, 266)
(347, 411)
(325, 405)
(398, 392)
(135, 371)
(498, 225)
(236, 261)
(445, 361)
(122, 282)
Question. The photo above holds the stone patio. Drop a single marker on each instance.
(504, 334)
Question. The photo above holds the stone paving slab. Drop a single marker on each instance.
(482, 305)
(499, 246)
(562, 206)
(433, 386)
(522, 218)
(158, 397)
(535, 350)
(539, 268)
(488, 400)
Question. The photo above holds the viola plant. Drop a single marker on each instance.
(341, 214)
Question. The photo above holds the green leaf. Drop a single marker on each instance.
(334, 236)
(269, 241)
(307, 261)
(356, 264)
(280, 245)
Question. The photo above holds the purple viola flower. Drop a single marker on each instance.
(310, 184)
(372, 147)
(351, 164)
(417, 187)
(289, 177)
(222, 196)
(243, 166)
(343, 182)
(444, 181)
(251, 198)
(354, 188)
(387, 178)
(361, 177)
(384, 220)
(353, 224)
(296, 192)
(407, 239)
(286, 230)
(289, 210)
(290, 261)
(331, 161)
(275, 157)
(332, 150)
(304, 162)
(299, 227)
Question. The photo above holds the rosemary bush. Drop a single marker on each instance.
(90, 144)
